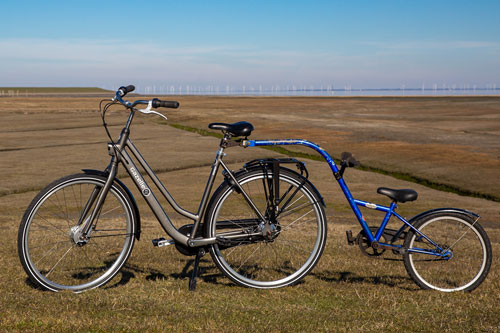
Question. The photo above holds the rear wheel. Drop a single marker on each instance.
(50, 250)
(468, 249)
(282, 251)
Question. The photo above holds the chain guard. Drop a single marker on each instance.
(186, 250)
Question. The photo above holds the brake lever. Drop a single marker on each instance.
(149, 110)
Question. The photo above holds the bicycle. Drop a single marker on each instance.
(264, 226)
(444, 249)
(255, 225)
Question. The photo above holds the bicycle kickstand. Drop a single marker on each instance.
(194, 275)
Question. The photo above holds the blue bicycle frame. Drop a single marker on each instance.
(355, 203)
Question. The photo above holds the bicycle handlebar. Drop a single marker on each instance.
(165, 104)
(125, 90)
(155, 102)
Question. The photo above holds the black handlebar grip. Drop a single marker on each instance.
(165, 104)
(126, 90)
(169, 104)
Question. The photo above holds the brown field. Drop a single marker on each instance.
(452, 141)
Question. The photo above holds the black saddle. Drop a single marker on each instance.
(242, 128)
(398, 195)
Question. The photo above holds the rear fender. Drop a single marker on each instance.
(444, 210)
(401, 232)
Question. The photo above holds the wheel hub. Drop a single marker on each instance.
(446, 252)
(76, 236)
(270, 231)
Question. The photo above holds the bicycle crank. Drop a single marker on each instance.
(366, 246)
(186, 250)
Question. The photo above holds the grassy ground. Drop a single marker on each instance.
(44, 139)
(447, 140)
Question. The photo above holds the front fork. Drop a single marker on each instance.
(75, 233)
(81, 232)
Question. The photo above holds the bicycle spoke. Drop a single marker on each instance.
(293, 210)
(49, 251)
(76, 200)
(110, 210)
(459, 239)
(57, 263)
(66, 206)
(52, 225)
(56, 212)
(248, 258)
(288, 226)
(295, 246)
(45, 245)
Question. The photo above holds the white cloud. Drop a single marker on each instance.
(111, 62)
(433, 45)
(83, 59)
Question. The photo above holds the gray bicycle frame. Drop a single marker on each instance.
(120, 155)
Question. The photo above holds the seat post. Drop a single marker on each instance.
(224, 141)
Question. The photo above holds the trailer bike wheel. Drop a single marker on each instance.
(462, 257)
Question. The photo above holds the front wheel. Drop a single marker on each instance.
(49, 247)
(291, 242)
(465, 247)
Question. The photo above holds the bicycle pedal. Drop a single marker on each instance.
(350, 239)
(160, 242)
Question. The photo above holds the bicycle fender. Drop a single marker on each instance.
(125, 188)
(444, 210)
(430, 212)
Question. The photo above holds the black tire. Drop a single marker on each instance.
(300, 230)
(48, 252)
(470, 253)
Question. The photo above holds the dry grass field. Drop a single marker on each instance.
(450, 141)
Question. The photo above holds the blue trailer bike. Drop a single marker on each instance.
(264, 225)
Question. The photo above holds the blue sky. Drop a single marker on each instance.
(362, 44)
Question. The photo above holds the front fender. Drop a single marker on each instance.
(132, 199)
